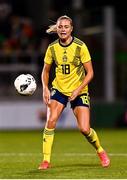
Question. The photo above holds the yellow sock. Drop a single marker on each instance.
(94, 140)
(48, 136)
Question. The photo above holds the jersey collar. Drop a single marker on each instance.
(67, 44)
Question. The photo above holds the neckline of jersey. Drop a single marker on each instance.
(67, 44)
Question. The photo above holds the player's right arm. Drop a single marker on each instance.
(45, 81)
(45, 76)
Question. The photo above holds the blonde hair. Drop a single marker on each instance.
(53, 28)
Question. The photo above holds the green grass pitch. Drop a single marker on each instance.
(72, 157)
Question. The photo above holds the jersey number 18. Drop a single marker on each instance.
(65, 68)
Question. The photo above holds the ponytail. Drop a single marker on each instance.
(53, 28)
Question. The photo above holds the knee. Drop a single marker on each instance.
(51, 122)
(85, 130)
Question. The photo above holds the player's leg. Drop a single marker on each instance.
(53, 113)
(54, 110)
(83, 118)
(82, 113)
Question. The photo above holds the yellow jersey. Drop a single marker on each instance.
(69, 65)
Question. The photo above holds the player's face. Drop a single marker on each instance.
(64, 29)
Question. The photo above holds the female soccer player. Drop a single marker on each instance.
(74, 72)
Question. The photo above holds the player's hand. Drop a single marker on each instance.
(74, 94)
(46, 96)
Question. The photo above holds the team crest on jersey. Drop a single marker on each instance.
(64, 58)
(53, 92)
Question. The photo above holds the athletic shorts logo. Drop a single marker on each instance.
(53, 92)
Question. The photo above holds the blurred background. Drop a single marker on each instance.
(23, 42)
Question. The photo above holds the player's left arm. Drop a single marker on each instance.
(88, 77)
(87, 64)
(89, 74)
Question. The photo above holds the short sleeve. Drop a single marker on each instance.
(85, 55)
(48, 56)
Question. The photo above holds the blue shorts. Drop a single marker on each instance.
(81, 100)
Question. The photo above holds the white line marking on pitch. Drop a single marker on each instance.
(60, 154)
